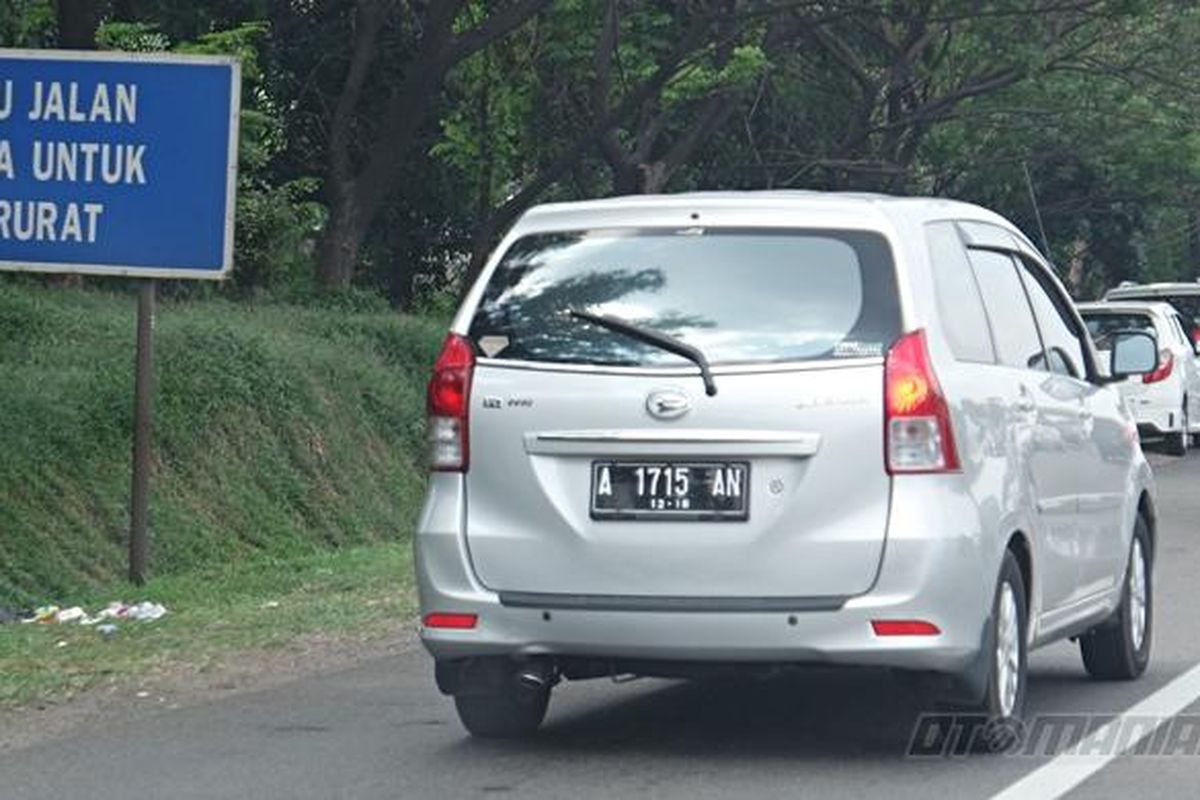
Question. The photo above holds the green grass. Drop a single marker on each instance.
(360, 593)
(288, 464)
(280, 431)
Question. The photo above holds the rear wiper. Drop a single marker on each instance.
(660, 340)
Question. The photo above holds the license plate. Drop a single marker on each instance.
(692, 490)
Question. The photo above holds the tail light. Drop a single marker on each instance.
(1166, 363)
(1196, 335)
(917, 433)
(449, 399)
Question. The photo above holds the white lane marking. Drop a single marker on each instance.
(1067, 771)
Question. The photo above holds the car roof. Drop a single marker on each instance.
(1154, 289)
(876, 207)
(1127, 306)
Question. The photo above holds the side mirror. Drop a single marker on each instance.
(1133, 353)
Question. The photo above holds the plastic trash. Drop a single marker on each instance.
(43, 614)
(146, 612)
(114, 610)
(107, 630)
(72, 614)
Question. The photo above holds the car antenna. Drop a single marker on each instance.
(1037, 213)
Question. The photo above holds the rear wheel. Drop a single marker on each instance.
(492, 703)
(1119, 649)
(1177, 443)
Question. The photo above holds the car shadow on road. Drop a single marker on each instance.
(814, 713)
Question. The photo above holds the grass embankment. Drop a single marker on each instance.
(288, 448)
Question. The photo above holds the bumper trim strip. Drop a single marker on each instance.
(607, 602)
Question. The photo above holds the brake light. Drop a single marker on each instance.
(904, 627)
(451, 621)
(1166, 363)
(1196, 335)
(917, 433)
(449, 399)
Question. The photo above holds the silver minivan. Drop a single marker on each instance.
(684, 435)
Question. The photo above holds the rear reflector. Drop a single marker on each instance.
(442, 619)
(904, 627)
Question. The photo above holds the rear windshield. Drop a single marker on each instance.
(1186, 304)
(740, 296)
(1104, 324)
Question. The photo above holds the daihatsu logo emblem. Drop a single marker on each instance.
(668, 404)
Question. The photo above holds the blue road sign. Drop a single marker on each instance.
(118, 163)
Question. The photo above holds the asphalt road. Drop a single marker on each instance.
(381, 730)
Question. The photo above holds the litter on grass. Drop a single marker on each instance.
(73, 614)
(141, 612)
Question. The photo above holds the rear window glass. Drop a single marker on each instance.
(1103, 325)
(1186, 304)
(740, 296)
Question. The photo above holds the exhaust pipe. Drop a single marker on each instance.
(537, 676)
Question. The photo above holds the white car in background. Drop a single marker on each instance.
(1165, 402)
(1184, 297)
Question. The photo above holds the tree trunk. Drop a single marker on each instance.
(77, 23)
(360, 186)
(343, 235)
(1193, 248)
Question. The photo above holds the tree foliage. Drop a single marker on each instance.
(388, 143)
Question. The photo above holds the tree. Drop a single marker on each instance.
(643, 90)
(366, 158)
(77, 23)
(853, 101)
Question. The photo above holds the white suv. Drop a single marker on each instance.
(1165, 402)
(673, 435)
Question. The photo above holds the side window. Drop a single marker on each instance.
(1055, 322)
(958, 302)
(1017, 341)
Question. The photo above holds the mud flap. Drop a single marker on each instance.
(970, 685)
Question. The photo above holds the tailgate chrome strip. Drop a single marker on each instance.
(606, 602)
(711, 442)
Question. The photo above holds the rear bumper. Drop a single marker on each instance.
(1156, 411)
(937, 567)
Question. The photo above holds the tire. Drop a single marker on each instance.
(1119, 648)
(502, 710)
(1003, 703)
(1177, 443)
